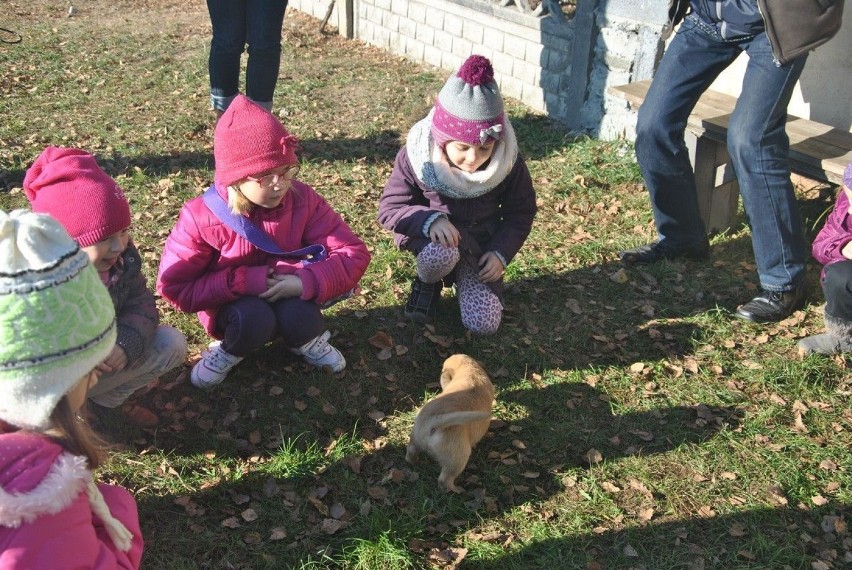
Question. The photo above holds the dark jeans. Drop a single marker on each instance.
(757, 143)
(235, 24)
(837, 288)
(250, 322)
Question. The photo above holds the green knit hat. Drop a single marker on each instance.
(57, 321)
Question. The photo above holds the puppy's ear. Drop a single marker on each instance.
(447, 375)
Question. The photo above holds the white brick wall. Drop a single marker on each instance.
(443, 33)
(532, 57)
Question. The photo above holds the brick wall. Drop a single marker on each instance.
(553, 65)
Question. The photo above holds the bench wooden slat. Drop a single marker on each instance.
(816, 150)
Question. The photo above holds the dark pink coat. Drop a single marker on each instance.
(835, 233)
(46, 520)
(205, 264)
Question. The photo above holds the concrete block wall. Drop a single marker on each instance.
(531, 56)
(553, 65)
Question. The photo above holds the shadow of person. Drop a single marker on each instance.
(756, 538)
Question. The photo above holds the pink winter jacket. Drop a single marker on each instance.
(46, 520)
(205, 264)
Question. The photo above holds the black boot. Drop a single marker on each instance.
(772, 306)
(422, 304)
(656, 251)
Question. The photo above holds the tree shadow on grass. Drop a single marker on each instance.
(563, 422)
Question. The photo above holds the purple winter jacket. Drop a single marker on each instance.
(499, 220)
(835, 234)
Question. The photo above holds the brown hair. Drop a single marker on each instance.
(69, 430)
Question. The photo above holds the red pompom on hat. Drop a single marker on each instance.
(68, 184)
(249, 140)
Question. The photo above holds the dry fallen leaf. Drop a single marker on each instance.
(819, 500)
(278, 533)
(736, 530)
(381, 340)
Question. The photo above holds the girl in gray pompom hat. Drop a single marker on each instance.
(460, 198)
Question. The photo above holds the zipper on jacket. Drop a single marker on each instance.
(775, 59)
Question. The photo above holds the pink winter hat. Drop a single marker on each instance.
(68, 184)
(469, 107)
(249, 140)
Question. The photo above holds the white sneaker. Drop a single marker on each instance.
(321, 354)
(213, 367)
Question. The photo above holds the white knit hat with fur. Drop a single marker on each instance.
(57, 321)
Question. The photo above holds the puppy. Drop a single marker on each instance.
(449, 425)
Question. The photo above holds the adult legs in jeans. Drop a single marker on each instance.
(236, 22)
(759, 150)
(264, 19)
(693, 60)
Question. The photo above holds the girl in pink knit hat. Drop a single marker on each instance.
(460, 198)
(260, 253)
(68, 184)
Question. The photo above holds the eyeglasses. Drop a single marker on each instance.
(272, 179)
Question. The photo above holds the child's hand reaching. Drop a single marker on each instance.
(490, 267)
(116, 361)
(444, 233)
(281, 287)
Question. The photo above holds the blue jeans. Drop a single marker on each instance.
(235, 23)
(757, 143)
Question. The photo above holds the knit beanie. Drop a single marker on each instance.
(57, 321)
(68, 184)
(847, 176)
(249, 140)
(469, 106)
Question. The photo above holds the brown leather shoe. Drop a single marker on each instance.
(139, 415)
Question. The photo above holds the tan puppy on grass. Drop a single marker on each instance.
(449, 425)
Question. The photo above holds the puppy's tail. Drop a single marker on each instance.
(458, 418)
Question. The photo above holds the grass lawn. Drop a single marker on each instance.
(637, 425)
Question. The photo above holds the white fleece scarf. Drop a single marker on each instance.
(431, 166)
(68, 476)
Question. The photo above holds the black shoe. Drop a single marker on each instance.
(656, 251)
(422, 304)
(772, 306)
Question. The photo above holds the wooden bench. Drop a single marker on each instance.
(817, 151)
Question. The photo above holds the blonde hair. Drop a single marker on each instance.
(237, 201)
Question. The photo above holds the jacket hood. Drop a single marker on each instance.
(37, 477)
